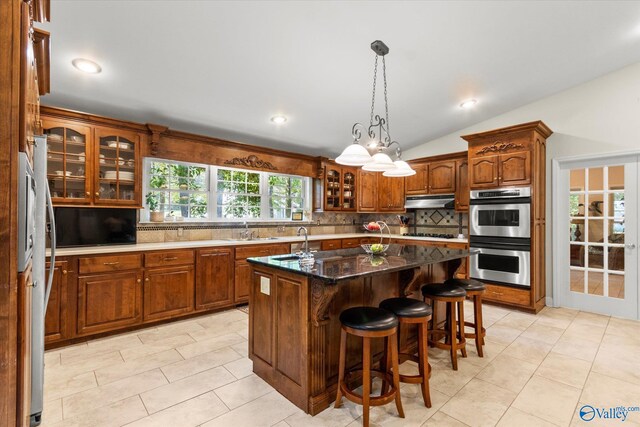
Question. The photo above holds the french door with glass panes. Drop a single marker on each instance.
(595, 255)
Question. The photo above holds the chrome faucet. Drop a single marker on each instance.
(306, 240)
(245, 235)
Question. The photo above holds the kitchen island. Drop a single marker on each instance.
(294, 310)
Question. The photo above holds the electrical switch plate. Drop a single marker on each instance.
(265, 285)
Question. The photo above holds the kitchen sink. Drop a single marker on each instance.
(290, 257)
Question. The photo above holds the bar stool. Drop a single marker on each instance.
(454, 340)
(474, 289)
(412, 311)
(369, 322)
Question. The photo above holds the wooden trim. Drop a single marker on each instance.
(9, 139)
(537, 126)
(41, 10)
(91, 119)
(449, 156)
(42, 51)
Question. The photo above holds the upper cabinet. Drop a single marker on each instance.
(462, 185)
(442, 177)
(336, 190)
(367, 191)
(502, 158)
(117, 181)
(418, 183)
(91, 165)
(378, 193)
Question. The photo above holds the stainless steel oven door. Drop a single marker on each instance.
(501, 265)
(500, 220)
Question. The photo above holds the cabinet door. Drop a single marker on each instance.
(109, 301)
(483, 172)
(442, 177)
(348, 189)
(515, 169)
(390, 194)
(55, 324)
(367, 191)
(330, 245)
(333, 188)
(214, 278)
(168, 292)
(117, 168)
(242, 281)
(417, 184)
(462, 185)
(68, 161)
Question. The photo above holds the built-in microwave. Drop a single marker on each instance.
(26, 211)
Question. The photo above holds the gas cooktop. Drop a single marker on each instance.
(440, 236)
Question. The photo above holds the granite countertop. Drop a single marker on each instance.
(97, 250)
(341, 264)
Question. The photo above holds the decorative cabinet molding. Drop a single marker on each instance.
(156, 132)
(499, 147)
(251, 161)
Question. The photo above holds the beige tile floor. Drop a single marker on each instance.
(537, 371)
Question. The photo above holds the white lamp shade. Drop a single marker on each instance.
(354, 155)
(402, 169)
(379, 162)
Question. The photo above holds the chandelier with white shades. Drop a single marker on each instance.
(378, 132)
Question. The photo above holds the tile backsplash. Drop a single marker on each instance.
(423, 221)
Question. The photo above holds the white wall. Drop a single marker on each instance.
(601, 116)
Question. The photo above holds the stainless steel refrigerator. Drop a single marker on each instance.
(43, 279)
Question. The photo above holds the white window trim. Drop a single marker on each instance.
(212, 193)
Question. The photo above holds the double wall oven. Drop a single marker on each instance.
(500, 234)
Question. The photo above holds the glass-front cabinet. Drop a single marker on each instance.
(68, 166)
(116, 165)
(90, 165)
(339, 188)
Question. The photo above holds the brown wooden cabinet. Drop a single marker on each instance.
(367, 191)
(514, 169)
(243, 269)
(330, 245)
(442, 177)
(418, 183)
(462, 185)
(390, 194)
(109, 301)
(214, 278)
(56, 318)
(168, 292)
(92, 165)
(339, 187)
(483, 172)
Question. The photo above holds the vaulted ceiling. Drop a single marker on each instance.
(224, 68)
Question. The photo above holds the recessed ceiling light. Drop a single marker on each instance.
(86, 66)
(279, 119)
(469, 103)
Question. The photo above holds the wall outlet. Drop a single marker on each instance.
(280, 229)
(180, 231)
(265, 285)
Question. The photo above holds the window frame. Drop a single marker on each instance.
(212, 192)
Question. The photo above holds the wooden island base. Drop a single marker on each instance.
(294, 326)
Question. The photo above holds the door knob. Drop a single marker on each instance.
(631, 245)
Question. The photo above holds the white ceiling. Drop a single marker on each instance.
(224, 68)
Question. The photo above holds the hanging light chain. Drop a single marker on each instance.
(373, 98)
(386, 102)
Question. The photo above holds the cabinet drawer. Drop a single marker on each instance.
(165, 258)
(508, 295)
(329, 245)
(350, 243)
(244, 252)
(102, 264)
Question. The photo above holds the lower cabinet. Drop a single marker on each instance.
(214, 278)
(109, 301)
(55, 327)
(243, 281)
(330, 245)
(168, 292)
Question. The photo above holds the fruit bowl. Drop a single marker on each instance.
(375, 249)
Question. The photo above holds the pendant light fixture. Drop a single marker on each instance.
(378, 132)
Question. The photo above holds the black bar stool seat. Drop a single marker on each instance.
(412, 311)
(474, 289)
(368, 323)
(443, 290)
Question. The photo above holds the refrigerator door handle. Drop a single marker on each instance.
(52, 239)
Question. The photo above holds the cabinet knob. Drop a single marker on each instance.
(88, 193)
(139, 281)
(64, 272)
(146, 279)
(97, 194)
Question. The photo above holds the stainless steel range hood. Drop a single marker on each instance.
(435, 201)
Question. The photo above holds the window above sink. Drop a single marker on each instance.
(205, 193)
